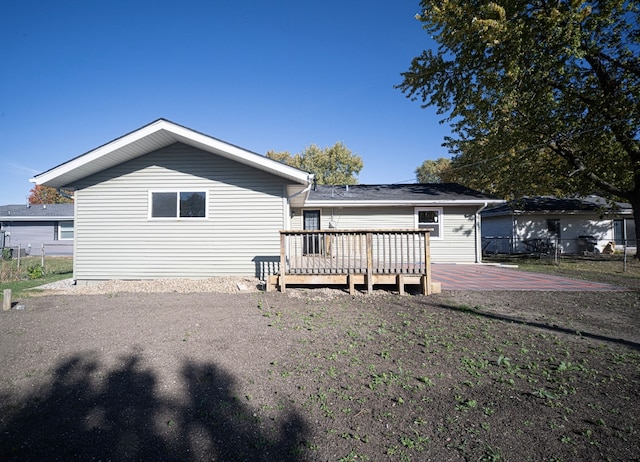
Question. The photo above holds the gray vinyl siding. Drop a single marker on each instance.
(116, 239)
(31, 236)
(457, 245)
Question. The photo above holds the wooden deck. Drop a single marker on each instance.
(354, 257)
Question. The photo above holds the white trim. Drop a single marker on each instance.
(60, 238)
(440, 225)
(407, 203)
(177, 192)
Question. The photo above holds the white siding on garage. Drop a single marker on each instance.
(458, 243)
(571, 227)
(115, 239)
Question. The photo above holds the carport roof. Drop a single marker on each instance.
(551, 204)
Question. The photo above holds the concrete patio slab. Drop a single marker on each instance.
(489, 277)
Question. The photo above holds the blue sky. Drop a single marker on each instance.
(263, 75)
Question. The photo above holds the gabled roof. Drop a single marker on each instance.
(149, 138)
(48, 212)
(397, 194)
(549, 204)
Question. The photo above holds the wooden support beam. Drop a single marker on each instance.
(352, 284)
(424, 285)
(369, 263)
(401, 284)
(283, 261)
(427, 264)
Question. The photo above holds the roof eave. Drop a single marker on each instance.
(405, 203)
(156, 135)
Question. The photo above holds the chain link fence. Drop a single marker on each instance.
(579, 246)
(56, 249)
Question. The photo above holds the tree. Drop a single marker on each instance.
(434, 171)
(542, 96)
(335, 165)
(40, 194)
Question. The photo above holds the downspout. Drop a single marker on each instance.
(310, 183)
(479, 233)
(305, 191)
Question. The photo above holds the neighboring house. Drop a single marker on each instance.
(573, 225)
(29, 227)
(166, 201)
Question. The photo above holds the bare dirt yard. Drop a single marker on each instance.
(318, 375)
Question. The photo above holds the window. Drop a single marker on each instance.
(619, 232)
(178, 204)
(65, 230)
(431, 219)
(553, 227)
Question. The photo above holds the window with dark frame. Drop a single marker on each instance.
(429, 219)
(179, 204)
(553, 227)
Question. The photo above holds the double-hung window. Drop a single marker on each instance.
(431, 219)
(177, 204)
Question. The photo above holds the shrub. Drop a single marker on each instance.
(35, 271)
(6, 253)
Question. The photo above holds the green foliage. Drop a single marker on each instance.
(543, 98)
(434, 171)
(35, 271)
(28, 272)
(335, 165)
(6, 253)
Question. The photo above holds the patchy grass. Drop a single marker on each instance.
(30, 273)
(395, 379)
(608, 269)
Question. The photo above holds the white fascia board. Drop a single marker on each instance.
(336, 204)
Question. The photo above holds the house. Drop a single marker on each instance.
(167, 201)
(450, 211)
(30, 227)
(544, 223)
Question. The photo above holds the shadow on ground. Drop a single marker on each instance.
(556, 329)
(88, 412)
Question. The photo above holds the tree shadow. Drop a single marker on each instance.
(87, 412)
(542, 326)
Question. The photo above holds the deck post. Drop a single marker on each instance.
(426, 285)
(369, 263)
(283, 261)
(352, 284)
(400, 279)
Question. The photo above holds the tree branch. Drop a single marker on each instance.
(630, 66)
(571, 157)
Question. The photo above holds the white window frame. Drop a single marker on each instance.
(439, 226)
(177, 192)
(73, 229)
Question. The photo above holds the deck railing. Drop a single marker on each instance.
(355, 252)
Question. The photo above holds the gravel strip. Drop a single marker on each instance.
(221, 285)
